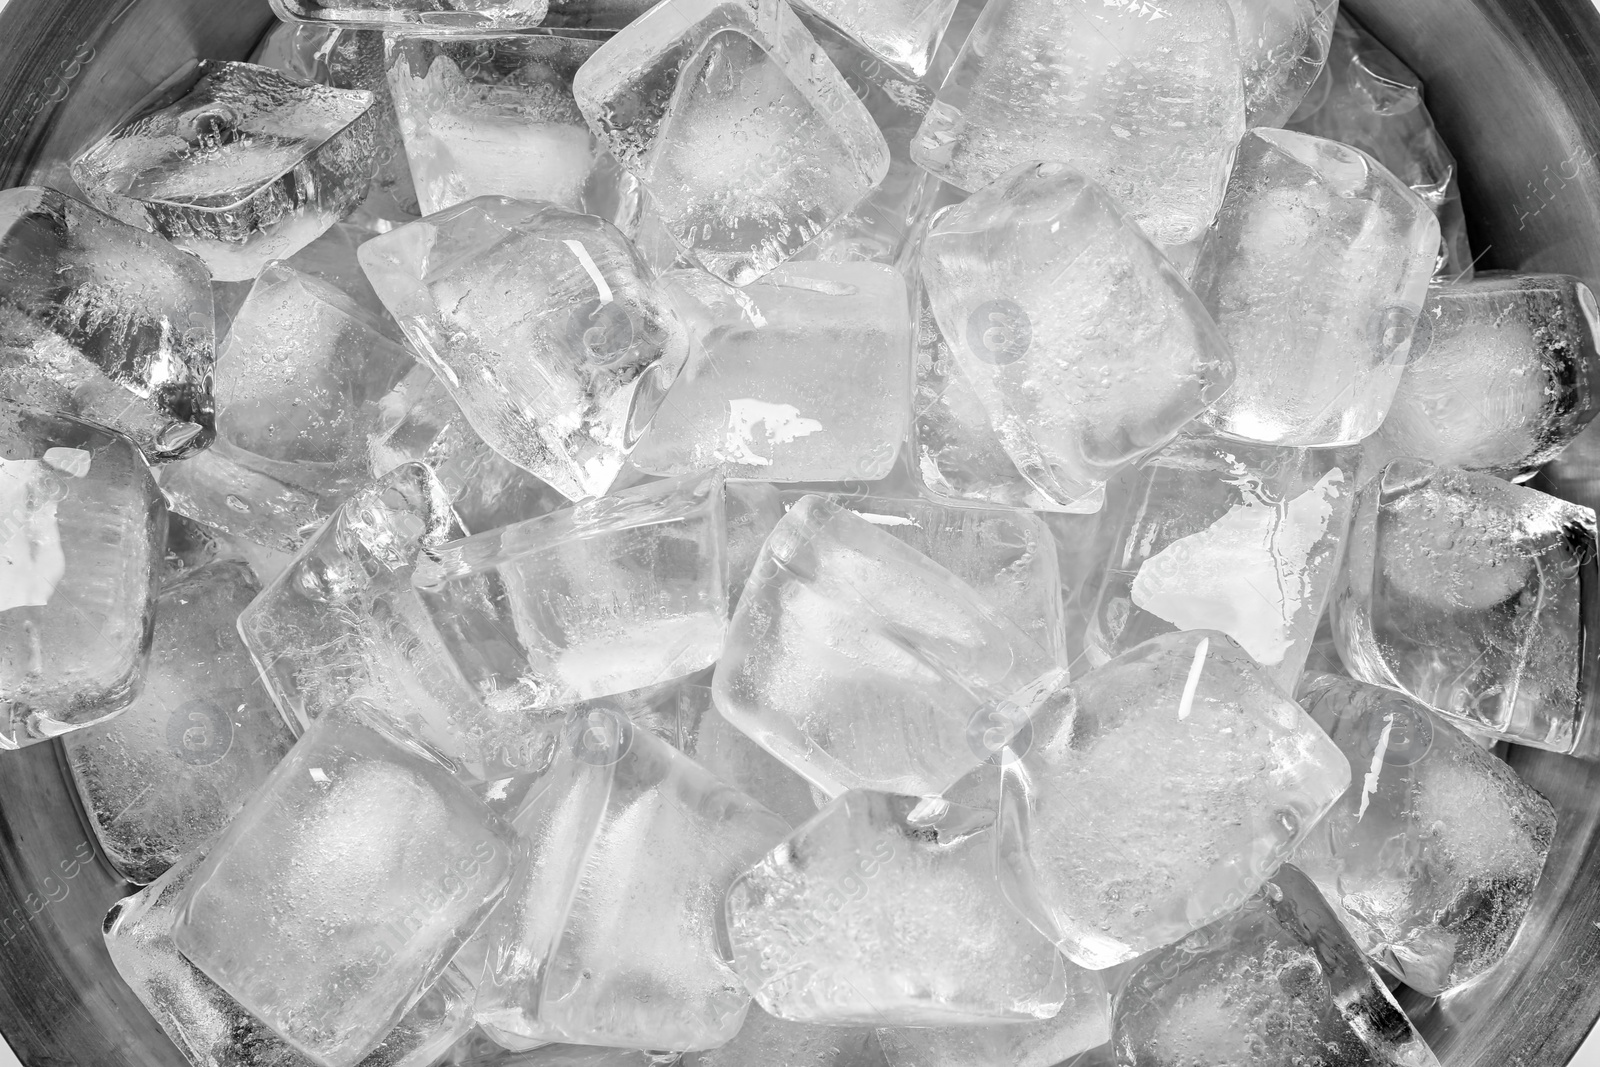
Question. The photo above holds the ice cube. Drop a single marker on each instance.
(544, 325)
(745, 136)
(610, 933)
(103, 320)
(1219, 535)
(768, 1042)
(1085, 347)
(1503, 374)
(496, 116)
(1277, 982)
(602, 598)
(1367, 98)
(486, 490)
(477, 1050)
(731, 757)
(332, 258)
(751, 510)
(884, 910)
(171, 771)
(1315, 272)
(1008, 557)
(1202, 777)
(219, 489)
(861, 663)
(1463, 591)
(1083, 1023)
(1431, 857)
(303, 381)
(902, 33)
(343, 621)
(1284, 46)
(431, 17)
(82, 527)
(803, 376)
(957, 455)
(246, 166)
(212, 1029)
(350, 59)
(1146, 101)
(344, 888)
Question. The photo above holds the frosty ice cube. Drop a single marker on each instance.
(1432, 855)
(350, 59)
(103, 320)
(1084, 346)
(609, 935)
(172, 770)
(304, 379)
(247, 166)
(1008, 557)
(431, 17)
(1159, 792)
(745, 136)
(1277, 982)
(903, 33)
(1503, 374)
(1147, 102)
(602, 598)
(1464, 591)
(804, 376)
(884, 910)
(82, 527)
(1367, 98)
(543, 324)
(212, 1029)
(861, 663)
(1315, 272)
(1284, 45)
(218, 488)
(496, 116)
(1083, 1023)
(345, 886)
(956, 453)
(764, 1041)
(1217, 535)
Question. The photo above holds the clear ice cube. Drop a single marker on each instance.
(803, 376)
(861, 663)
(1278, 982)
(496, 116)
(746, 137)
(304, 379)
(884, 910)
(1368, 98)
(1085, 347)
(212, 1029)
(610, 933)
(102, 320)
(1083, 1023)
(545, 326)
(1221, 535)
(1284, 46)
(1503, 374)
(341, 892)
(220, 489)
(478, 1050)
(171, 771)
(429, 17)
(1159, 792)
(344, 58)
(903, 33)
(1466, 592)
(1145, 101)
(751, 510)
(605, 597)
(1315, 272)
(82, 530)
(247, 166)
(764, 1041)
(1007, 556)
(1431, 857)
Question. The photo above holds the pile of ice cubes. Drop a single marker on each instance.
(876, 533)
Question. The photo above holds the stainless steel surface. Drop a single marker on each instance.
(1515, 88)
